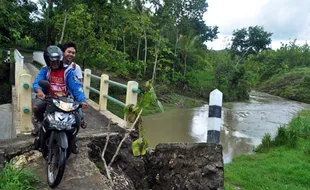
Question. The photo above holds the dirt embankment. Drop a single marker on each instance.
(177, 165)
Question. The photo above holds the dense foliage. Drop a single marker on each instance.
(252, 40)
(164, 41)
(16, 21)
(284, 72)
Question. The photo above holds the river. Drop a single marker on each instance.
(242, 128)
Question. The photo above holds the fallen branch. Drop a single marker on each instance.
(108, 137)
(122, 141)
(103, 152)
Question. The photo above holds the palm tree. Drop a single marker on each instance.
(188, 46)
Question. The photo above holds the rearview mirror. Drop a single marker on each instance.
(44, 84)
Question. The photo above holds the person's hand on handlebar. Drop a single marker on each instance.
(40, 94)
(84, 105)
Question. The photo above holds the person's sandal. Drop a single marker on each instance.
(36, 126)
(83, 124)
(35, 131)
(75, 149)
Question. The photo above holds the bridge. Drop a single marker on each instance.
(203, 159)
(96, 115)
(81, 172)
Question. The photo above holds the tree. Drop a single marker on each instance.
(15, 20)
(188, 45)
(250, 41)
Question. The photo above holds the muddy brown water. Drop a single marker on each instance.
(242, 128)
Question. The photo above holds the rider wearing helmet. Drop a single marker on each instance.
(62, 82)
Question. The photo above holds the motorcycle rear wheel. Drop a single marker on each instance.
(56, 168)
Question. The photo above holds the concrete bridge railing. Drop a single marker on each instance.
(132, 91)
(23, 91)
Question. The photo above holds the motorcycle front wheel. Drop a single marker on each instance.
(56, 168)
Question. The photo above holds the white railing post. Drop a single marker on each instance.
(86, 82)
(215, 115)
(18, 69)
(18, 57)
(131, 97)
(104, 90)
(19, 85)
(25, 103)
(22, 61)
(19, 64)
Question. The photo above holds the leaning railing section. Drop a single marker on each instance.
(132, 91)
(37, 57)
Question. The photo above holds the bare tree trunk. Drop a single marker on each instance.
(63, 27)
(124, 44)
(155, 64)
(138, 50)
(145, 51)
(175, 53)
(185, 59)
(157, 46)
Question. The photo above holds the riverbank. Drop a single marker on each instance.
(292, 85)
(169, 101)
(280, 163)
(174, 101)
(177, 101)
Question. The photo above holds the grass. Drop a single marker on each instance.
(280, 163)
(12, 178)
(228, 105)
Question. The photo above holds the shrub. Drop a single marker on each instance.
(13, 178)
(282, 136)
(306, 149)
(266, 143)
(27, 43)
(299, 127)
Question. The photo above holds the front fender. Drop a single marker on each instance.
(60, 137)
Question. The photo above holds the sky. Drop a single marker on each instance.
(286, 19)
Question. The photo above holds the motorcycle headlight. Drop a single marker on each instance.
(65, 106)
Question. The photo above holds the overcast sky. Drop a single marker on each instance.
(286, 19)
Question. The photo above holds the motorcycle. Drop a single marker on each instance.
(56, 135)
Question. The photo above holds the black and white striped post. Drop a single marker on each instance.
(215, 115)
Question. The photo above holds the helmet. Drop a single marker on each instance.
(54, 53)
